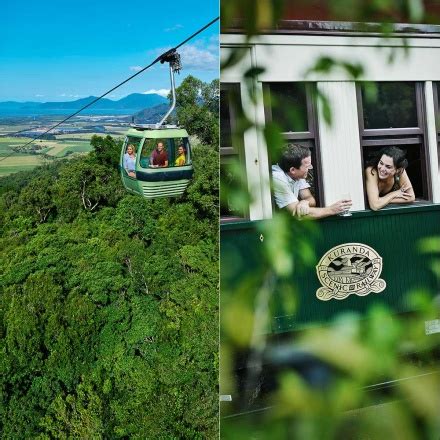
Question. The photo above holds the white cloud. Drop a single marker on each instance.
(214, 44)
(161, 92)
(201, 55)
(197, 58)
(39, 96)
(66, 95)
(135, 68)
(214, 39)
(173, 28)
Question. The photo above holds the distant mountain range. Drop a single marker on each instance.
(151, 115)
(135, 101)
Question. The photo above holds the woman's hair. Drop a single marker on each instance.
(395, 153)
(133, 147)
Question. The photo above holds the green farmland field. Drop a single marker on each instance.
(57, 148)
(78, 136)
(16, 163)
(64, 148)
(7, 143)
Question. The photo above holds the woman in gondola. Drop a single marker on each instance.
(181, 159)
(130, 160)
(386, 179)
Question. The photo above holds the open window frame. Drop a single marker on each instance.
(231, 152)
(436, 91)
(411, 139)
(308, 137)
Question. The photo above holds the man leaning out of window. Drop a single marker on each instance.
(291, 190)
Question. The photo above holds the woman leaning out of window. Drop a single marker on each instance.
(386, 179)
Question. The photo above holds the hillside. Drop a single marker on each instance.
(133, 101)
(108, 303)
(151, 115)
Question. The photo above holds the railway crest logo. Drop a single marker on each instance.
(351, 268)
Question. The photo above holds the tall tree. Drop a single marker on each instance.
(197, 109)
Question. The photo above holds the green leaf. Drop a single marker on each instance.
(253, 72)
(416, 10)
(324, 105)
(429, 245)
(274, 139)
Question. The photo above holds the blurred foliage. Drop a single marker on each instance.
(263, 15)
(431, 246)
(317, 383)
(108, 303)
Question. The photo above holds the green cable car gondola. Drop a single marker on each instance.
(155, 158)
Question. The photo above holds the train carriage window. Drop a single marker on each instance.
(392, 105)
(288, 106)
(436, 89)
(233, 191)
(392, 113)
(292, 107)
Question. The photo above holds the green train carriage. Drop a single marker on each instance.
(380, 251)
(394, 234)
(404, 113)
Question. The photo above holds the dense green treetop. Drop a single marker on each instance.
(108, 303)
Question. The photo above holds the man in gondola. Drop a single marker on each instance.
(291, 190)
(159, 157)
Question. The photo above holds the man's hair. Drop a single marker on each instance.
(292, 156)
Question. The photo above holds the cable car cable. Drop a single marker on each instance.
(159, 58)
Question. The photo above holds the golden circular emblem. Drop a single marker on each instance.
(351, 268)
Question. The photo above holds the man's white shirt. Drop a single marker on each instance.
(286, 189)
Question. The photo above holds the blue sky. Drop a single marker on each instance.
(61, 51)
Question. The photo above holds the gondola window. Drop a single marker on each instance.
(170, 147)
(134, 143)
